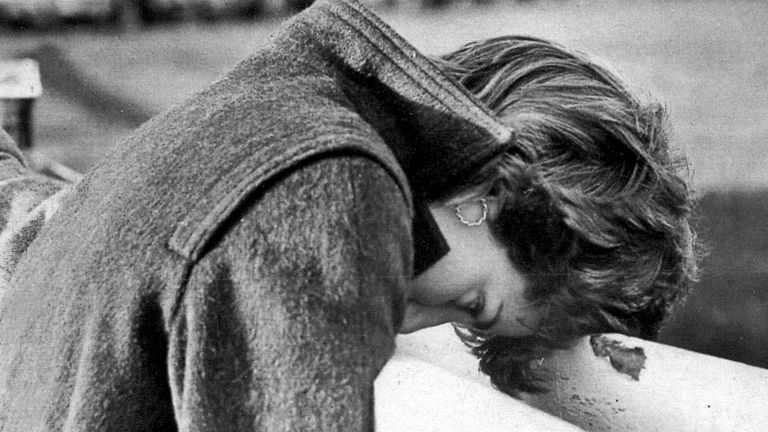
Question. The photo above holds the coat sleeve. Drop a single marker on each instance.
(286, 321)
(27, 202)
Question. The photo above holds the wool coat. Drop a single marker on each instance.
(28, 199)
(240, 262)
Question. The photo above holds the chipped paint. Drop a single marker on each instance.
(625, 360)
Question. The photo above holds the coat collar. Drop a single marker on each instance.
(438, 131)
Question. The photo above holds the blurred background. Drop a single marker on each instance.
(108, 65)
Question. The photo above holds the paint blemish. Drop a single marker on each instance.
(625, 360)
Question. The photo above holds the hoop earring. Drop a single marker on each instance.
(468, 222)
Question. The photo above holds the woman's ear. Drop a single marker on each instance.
(494, 207)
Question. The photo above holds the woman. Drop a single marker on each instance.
(244, 260)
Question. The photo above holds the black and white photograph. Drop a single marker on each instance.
(384, 215)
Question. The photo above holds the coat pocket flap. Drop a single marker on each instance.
(207, 215)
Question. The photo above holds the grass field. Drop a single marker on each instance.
(707, 60)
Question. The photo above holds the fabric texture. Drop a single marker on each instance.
(27, 202)
(239, 262)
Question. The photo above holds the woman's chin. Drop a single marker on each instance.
(418, 316)
(411, 320)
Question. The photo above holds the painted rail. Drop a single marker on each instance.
(617, 383)
(415, 395)
(604, 383)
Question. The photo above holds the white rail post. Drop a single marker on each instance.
(20, 86)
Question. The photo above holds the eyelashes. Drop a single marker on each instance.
(475, 308)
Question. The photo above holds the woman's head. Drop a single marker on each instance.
(590, 205)
(475, 284)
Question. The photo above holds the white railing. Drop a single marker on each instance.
(605, 383)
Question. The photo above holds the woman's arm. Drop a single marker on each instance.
(287, 320)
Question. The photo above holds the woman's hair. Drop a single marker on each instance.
(594, 205)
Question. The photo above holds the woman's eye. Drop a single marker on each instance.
(474, 308)
(478, 306)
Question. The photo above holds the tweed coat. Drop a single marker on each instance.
(240, 262)
(27, 201)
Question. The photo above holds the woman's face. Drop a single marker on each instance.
(475, 284)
